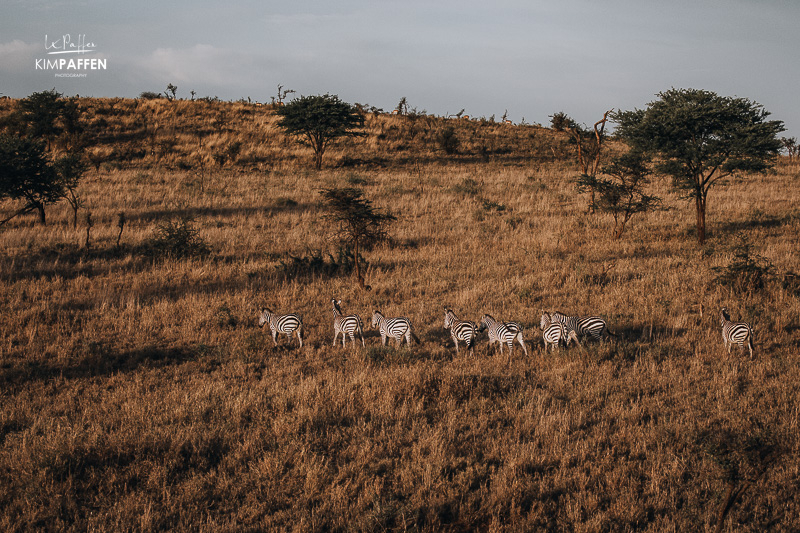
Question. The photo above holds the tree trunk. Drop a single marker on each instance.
(359, 277)
(40, 208)
(700, 204)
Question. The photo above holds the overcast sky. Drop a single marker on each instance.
(531, 58)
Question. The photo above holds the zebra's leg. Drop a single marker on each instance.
(522, 343)
(455, 341)
(300, 335)
(275, 337)
(383, 340)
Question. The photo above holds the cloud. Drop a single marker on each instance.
(17, 55)
(201, 65)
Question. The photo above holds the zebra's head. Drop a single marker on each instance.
(263, 317)
(486, 320)
(724, 316)
(545, 321)
(336, 306)
(376, 317)
(449, 317)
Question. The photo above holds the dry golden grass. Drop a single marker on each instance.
(139, 393)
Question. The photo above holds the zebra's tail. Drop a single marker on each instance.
(611, 332)
(416, 339)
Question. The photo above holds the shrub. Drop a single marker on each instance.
(177, 239)
(561, 121)
(448, 141)
(748, 272)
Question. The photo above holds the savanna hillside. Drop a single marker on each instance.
(137, 392)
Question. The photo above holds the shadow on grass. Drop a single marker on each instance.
(757, 221)
(99, 362)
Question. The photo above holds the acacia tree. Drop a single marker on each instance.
(588, 148)
(700, 138)
(319, 121)
(26, 174)
(621, 189)
(69, 170)
(41, 111)
(359, 224)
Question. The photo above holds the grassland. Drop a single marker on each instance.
(138, 394)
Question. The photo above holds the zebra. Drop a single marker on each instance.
(397, 328)
(349, 324)
(286, 324)
(503, 333)
(463, 330)
(553, 333)
(735, 332)
(585, 326)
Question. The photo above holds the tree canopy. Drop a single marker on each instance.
(319, 121)
(358, 224)
(26, 174)
(699, 138)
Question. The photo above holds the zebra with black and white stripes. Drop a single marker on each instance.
(503, 333)
(553, 333)
(286, 324)
(585, 326)
(396, 328)
(735, 332)
(350, 324)
(460, 330)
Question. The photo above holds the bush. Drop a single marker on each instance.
(150, 95)
(561, 121)
(748, 272)
(448, 141)
(177, 239)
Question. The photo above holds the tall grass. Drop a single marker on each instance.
(137, 392)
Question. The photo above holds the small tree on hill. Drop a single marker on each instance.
(620, 189)
(41, 111)
(588, 149)
(26, 174)
(171, 92)
(359, 226)
(319, 121)
(700, 138)
(69, 170)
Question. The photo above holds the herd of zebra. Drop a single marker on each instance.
(557, 328)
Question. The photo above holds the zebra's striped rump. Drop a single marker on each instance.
(735, 332)
(460, 330)
(349, 325)
(286, 324)
(554, 333)
(503, 333)
(396, 328)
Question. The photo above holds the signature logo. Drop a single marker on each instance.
(70, 67)
(66, 45)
